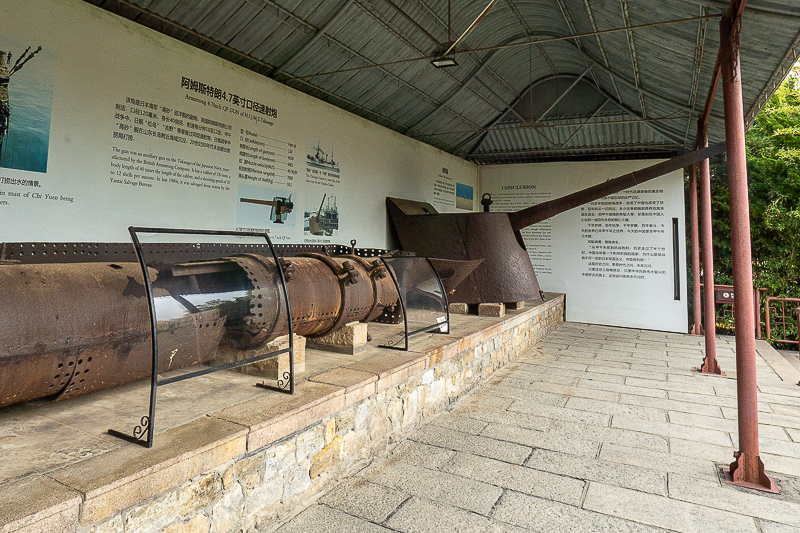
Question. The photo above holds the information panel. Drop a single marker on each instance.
(106, 124)
(619, 259)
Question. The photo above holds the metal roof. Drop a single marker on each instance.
(536, 80)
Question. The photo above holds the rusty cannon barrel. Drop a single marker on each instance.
(506, 273)
(73, 328)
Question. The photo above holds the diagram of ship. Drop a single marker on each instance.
(320, 159)
(326, 220)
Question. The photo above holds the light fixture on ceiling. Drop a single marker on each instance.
(444, 61)
(448, 58)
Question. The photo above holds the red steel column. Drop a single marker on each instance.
(747, 468)
(697, 327)
(710, 365)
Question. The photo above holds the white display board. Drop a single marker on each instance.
(615, 257)
(112, 124)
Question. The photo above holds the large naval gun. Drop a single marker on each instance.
(505, 273)
(71, 328)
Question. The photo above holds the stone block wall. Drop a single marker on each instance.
(256, 488)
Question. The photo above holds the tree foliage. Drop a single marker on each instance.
(773, 168)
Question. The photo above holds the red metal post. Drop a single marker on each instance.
(697, 327)
(747, 468)
(710, 365)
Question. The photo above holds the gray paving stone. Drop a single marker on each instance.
(605, 378)
(324, 519)
(483, 399)
(359, 497)
(719, 401)
(770, 419)
(590, 469)
(794, 434)
(777, 447)
(781, 464)
(621, 388)
(616, 408)
(572, 390)
(701, 450)
(420, 515)
(560, 413)
(439, 486)
(667, 513)
(594, 361)
(772, 527)
(671, 430)
(785, 410)
(460, 423)
(774, 433)
(485, 445)
(549, 362)
(728, 498)
(523, 420)
(695, 388)
(582, 432)
(627, 372)
(701, 421)
(790, 390)
(417, 453)
(550, 440)
(545, 516)
(519, 478)
(659, 461)
(672, 405)
(543, 398)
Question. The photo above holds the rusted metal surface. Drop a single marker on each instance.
(697, 317)
(747, 468)
(74, 328)
(779, 320)
(506, 273)
(551, 208)
(710, 364)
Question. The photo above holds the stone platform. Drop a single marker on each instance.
(229, 456)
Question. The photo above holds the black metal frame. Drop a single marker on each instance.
(285, 385)
(435, 328)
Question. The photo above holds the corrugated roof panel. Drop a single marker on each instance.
(414, 95)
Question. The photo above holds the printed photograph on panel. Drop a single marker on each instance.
(464, 196)
(261, 207)
(26, 100)
(321, 215)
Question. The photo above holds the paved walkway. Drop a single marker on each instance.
(596, 429)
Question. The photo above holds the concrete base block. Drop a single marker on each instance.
(514, 305)
(495, 310)
(269, 368)
(352, 338)
(459, 309)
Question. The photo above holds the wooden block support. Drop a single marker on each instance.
(495, 310)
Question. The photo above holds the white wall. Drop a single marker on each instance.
(94, 65)
(614, 257)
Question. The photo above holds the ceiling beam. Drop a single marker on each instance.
(314, 38)
(626, 16)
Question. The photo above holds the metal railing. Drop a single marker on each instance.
(781, 316)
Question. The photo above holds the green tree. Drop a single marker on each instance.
(773, 167)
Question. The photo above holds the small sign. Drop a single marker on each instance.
(723, 295)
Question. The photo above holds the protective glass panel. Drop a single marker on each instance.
(218, 298)
(423, 298)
